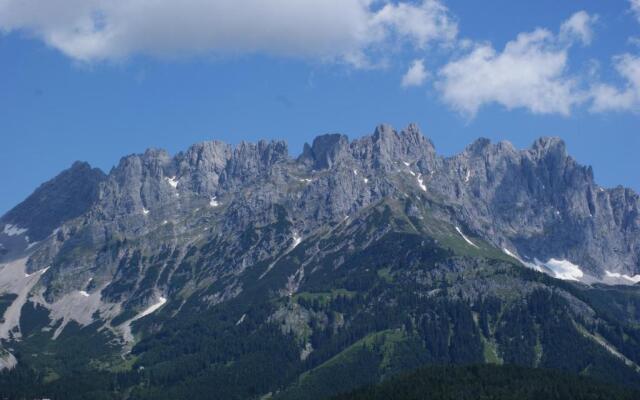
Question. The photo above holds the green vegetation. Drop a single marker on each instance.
(490, 352)
(385, 274)
(322, 298)
(5, 302)
(365, 310)
(489, 382)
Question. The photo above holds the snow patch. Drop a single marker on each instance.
(126, 326)
(40, 272)
(241, 320)
(406, 163)
(151, 309)
(568, 271)
(466, 239)
(355, 172)
(13, 230)
(145, 211)
(306, 352)
(84, 293)
(634, 279)
(467, 176)
(305, 180)
(172, 181)
(296, 241)
(366, 180)
(563, 269)
(213, 202)
(421, 183)
(510, 254)
(560, 269)
(527, 264)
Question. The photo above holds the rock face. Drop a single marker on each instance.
(537, 204)
(544, 205)
(215, 225)
(67, 196)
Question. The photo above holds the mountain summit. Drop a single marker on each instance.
(375, 251)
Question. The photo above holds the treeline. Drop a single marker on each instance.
(489, 382)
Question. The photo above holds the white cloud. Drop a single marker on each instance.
(579, 27)
(531, 72)
(415, 75)
(422, 24)
(344, 30)
(606, 97)
(635, 8)
(610, 98)
(626, 97)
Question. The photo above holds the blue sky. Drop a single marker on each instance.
(94, 83)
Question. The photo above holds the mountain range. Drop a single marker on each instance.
(240, 272)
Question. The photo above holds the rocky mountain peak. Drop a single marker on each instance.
(253, 159)
(384, 132)
(244, 240)
(202, 165)
(80, 167)
(549, 146)
(479, 146)
(207, 155)
(386, 147)
(70, 194)
(326, 150)
(504, 194)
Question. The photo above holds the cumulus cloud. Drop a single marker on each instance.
(415, 75)
(531, 72)
(579, 27)
(345, 30)
(407, 21)
(610, 98)
(625, 97)
(635, 8)
(634, 41)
